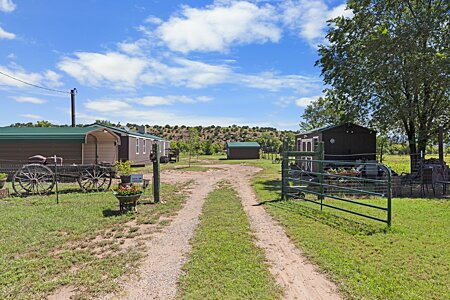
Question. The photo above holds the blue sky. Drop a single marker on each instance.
(163, 62)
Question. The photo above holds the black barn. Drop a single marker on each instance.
(348, 142)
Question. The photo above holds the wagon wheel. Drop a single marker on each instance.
(33, 179)
(96, 179)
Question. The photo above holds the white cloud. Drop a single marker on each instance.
(26, 99)
(32, 116)
(6, 35)
(107, 106)
(97, 69)
(7, 6)
(305, 101)
(309, 18)
(153, 20)
(218, 26)
(184, 72)
(47, 78)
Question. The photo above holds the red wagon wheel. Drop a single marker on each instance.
(33, 179)
(96, 179)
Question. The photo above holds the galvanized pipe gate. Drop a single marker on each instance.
(306, 174)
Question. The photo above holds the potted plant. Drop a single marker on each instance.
(127, 195)
(124, 169)
(3, 177)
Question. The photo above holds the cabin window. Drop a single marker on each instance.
(315, 142)
(299, 145)
(145, 147)
(303, 146)
(137, 146)
(309, 147)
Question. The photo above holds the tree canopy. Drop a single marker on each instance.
(388, 66)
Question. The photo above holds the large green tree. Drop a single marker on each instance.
(392, 61)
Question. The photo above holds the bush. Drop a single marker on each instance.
(3, 176)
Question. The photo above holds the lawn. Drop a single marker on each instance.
(77, 243)
(401, 163)
(224, 262)
(367, 259)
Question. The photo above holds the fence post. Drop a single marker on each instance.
(389, 200)
(56, 178)
(284, 167)
(320, 151)
(156, 172)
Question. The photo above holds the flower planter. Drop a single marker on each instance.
(127, 202)
(2, 183)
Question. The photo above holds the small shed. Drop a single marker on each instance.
(76, 145)
(136, 146)
(348, 142)
(243, 150)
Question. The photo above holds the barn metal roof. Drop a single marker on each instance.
(243, 145)
(64, 134)
(128, 132)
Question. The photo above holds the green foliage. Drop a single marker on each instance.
(3, 176)
(124, 167)
(225, 263)
(390, 62)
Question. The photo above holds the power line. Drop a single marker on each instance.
(33, 85)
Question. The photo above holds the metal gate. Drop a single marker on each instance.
(307, 176)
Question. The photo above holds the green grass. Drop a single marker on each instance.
(225, 263)
(401, 163)
(44, 246)
(367, 260)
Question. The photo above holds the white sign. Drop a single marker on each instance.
(137, 178)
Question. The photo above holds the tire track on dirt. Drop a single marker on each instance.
(293, 272)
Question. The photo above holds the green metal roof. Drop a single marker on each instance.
(24, 134)
(122, 130)
(243, 145)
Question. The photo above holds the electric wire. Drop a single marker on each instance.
(33, 85)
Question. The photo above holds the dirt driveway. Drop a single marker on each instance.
(168, 249)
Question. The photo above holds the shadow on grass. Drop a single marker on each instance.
(113, 213)
(271, 185)
(338, 222)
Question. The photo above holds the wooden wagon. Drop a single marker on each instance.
(39, 178)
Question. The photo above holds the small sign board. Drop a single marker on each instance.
(137, 178)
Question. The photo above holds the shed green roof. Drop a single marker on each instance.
(243, 145)
(129, 132)
(23, 134)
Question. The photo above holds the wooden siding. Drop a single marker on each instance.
(100, 148)
(350, 142)
(243, 153)
(20, 151)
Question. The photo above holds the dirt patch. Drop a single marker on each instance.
(166, 251)
(294, 273)
(66, 292)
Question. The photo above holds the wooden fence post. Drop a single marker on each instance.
(156, 173)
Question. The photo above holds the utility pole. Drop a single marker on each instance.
(73, 92)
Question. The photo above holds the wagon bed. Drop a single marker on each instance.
(40, 178)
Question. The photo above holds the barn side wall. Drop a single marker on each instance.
(350, 143)
(20, 151)
(243, 153)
